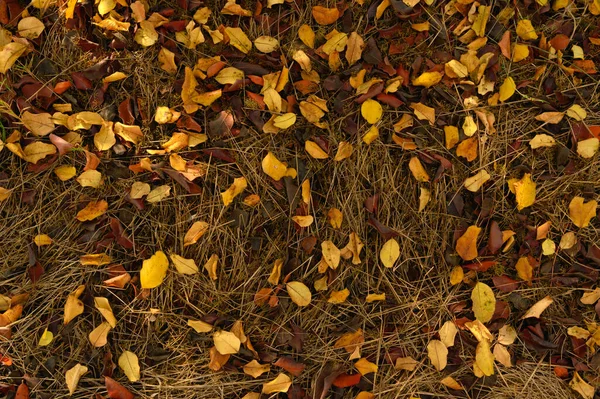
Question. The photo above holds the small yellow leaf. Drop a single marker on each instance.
(451, 136)
(507, 335)
(95, 260)
(42, 239)
(480, 331)
(199, 326)
(468, 149)
(129, 363)
(417, 169)
(525, 30)
(337, 297)
(344, 151)
(139, 189)
(588, 148)
(229, 75)
(365, 395)
(46, 338)
(365, 367)
(406, 363)
(73, 305)
(92, 210)
(154, 270)
(457, 275)
(371, 135)
(427, 79)
(586, 390)
(255, 369)
(146, 35)
(299, 293)
(281, 383)
(423, 112)
(165, 115)
(183, 265)
(581, 213)
(590, 298)
(238, 186)
(448, 333)
(266, 44)
(507, 89)
(195, 232)
(314, 150)
(484, 358)
(211, 266)
(331, 254)
(9, 54)
(424, 198)
(524, 191)
(90, 178)
(375, 297)
(307, 35)
(484, 302)
(371, 110)
(38, 124)
(73, 375)
(325, 16)
(65, 172)
(335, 218)
(389, 253)
(542, 140)
(520, 51)
(105, 138)
(475, 182)
(238, 39)
(524, 268)
(568, 240)
(356, 44)
(99, 335)
(537, 309)
(438, 354)
(101, 303)
(576, 112)
(550, 117)
(284, 121)
(30, 27)
(469, 126)
(578, 332)
(466, 245)
(303, 221)
(548, 247)
(226, 342)
(273, 167)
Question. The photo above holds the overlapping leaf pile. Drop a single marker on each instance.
(299, 198)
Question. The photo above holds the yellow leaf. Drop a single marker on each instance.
(73, 305)
(154, 270)
(586, 390)
(114, 77)
(481, 20)
(146, 35)
(276, 272)
(365, 395)
(4, 194)
(548, 247)
(320, 284)
(158, 194)
(371, 135)
(371, 110)
(229, 75)
(166, 115)
(350, 341)
(588, 148)
(195, 232)
(331, 254)
(199, 326)
(468, 149)
(266, 44)
(226, 342)
(131, 133)
(448, 333)
(273, 167)
(480, 331)
(183, 265)
(590, 298)
(42, 239)
(451, 136)
(314, 150)
(92, 210)
(139, 189)
(166, 58)
(65, 172)
(542, 140)
(424, 198)
(129, 363)
(238, 39)
(537, 309)
(484, 302)
(389, 253)
(375, 297)
(550, 117)
(520, 51)
(524, 268)
(457, 275)
(38, 124)
(211, 266)
(507, 89)
(307, 35)
(525, 30)
(325, 16)
(484, 358)
(423, 112)
(255, 369)
(581, 213)
(344, 151)
(406, 363)
(335, 218)
(568, 240)
(299, 293)
(105, 6)
(46, 338)
(466, 245)
(337, 297)
(576, 112)
(356, 44)
(101, 303)
(73, 375)
(9, 54)
(417, 169)
(238, 186)
(281, 383)
(451, 383)
(30, 27)
(438, 354)
(303, 221)
(284, 121)
(95, 260)
(455, 69)
(578, 332)
(105, 138)
(475, 182)
(99, 335)
(524, 191)
(90, 178)
(507, 335)
(365, 367)
(427, 79)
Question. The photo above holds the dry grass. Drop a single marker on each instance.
(174, 359)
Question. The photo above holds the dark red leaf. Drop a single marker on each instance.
(116, 390)
(372, 203)
(35, 272)
(480, 266)
(385, 232)
(308, 244)
(188, 123)
(390, 100)
(346, 380)
(502, 311)
(81, 82)
(109, 365)
(219, 153)
(495, 240)
(290, 365)
(221, 125)
(505, 283)
(126, 112)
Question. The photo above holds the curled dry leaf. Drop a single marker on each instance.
(200, 326)
(103, 306)
(73, 305)
(299, 293)
(195, 232)
(211, 266)
(502, 355)
(238, 186)
(591, 297)
(73, 375)
(537, 309)
(586, 390)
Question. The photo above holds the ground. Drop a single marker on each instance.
(373, 188)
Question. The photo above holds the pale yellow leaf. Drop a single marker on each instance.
(101, 303)
(542, 140)
(438, 354)
(281, 383)
(30, 27)
(129, 364)
(73, 375)
(200, 326)
(99, 335)
(456, 275)
(238, 39)
(73, 305)
(331, 254)
(46, 338)
(448, 333)
(226, 342)
(484, 302)
(537, 309)
(581, 213)
(183, 265)
(484, 358)
(139, 189)
(586, 390)
(588, 148)
(389, 253)
(299, 293)
(90, 178)
(158, 194)
(255, 369)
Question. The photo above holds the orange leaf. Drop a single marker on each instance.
(466, 245)
(325, 16)
(346, 380)
(116, 390)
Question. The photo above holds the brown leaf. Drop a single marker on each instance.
(116, 390)
(22, 391)
(290, 365)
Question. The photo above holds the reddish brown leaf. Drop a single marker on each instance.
(81, 82)
(560, 42)
(126, 112)
(495, 240)
(346, 380)
(505, 283)
(561, 372)
(61, 87)
(116, 390)
(385, 232)
(290, 365)
(22, 392)
(61, 144)
(480, 266)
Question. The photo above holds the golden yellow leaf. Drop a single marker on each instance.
(375, 297)
(281, 383)
(371, 135)
(335, 218)
(154, 270)
(200, 326)
(548, 247)
(73, 375)
(356, 44)
(455, 69)
(238, 186)
(550, 117)
(451, 383)
(448, 333)
(314, 150)
(42, 239)
(9, 54)
(457, 275)
(524, 268)
(325, 16)
(165, 115)
(484, 302)
(537, 309)
(95, 260)
(365, 367)
(158, 194)
(475, 182)
(588, 148)
(337, 297)
(146, 35)
(423, 112)
(371, 110)
(101, 303)
(406, 363)
(542, 140)
(586, 390)
(30, 27)
(238, 39)
(590, 298)
(307, 35)
(576, 112)
(451, 136)
(92, 210)
(438, 354)
(226, 342)
(417, 169)
(90, 178)
(480, 331)
(273, 167)
(524, 191)
(266, 44)
(130, 133)
(38, 124)
(65, 172)
(331, 254)
(520, 51)
(4, 193)
(183, 265)
(99, 335)
(195, 232)
(344, 151)
(507, 89)
(284, 121)
(466, 245)
(350, 341)
(211, 266)
(303, 221)
(73, 305)
(106, 6)
(484, 358)
(578, 332)
(469, 126)
(129, 364)
(389, 253)
(427, 79)
(525, 30)
(581, 213)
(275, 272)
(46, 338)
(166, 58)
(105, 138)
(424, 198)
(229, 75)
(468, 149)
(299, 293)
(481, 20)
(255, 369)
(365, 395)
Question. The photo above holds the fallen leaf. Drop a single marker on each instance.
(406, 363)
(438, 354)
(146, 35)
(226, 342)
(273, 167)
(103, 306)
(456, 275)
(484, 359)
(116, 390)
(73, 305)
(451, 383)
(365, 367)
(389, 253)
(99, 335)
(281, 383)
(195, 232)
(183, 265)
(537, 309)
(417, 170)
(200, 326)
(90, 178)
(344, 151)
(238, 186)
(266, 44)
(586, 390)
(581, 213)
(337, 297)
(356, 45)
(46, 338)
(299, 293)
(314, 150)
(568, 240)
(448, 333)
(548, 247)
(507, 335)
(576, 112)
(331, 254)
(350, 341)
(307, 35)
(466, 245)
(30, 27)
(590, 298)
(73, 375)
(129, 363)
(475, 182)
(525, 30)
(154, 270)
(507, 89)
(92, 210)
(427, 79)
(38, 124)
(9, 54)
(238, 39)
(550, 117)
(468, 149)
(524, 191)
(484, 302)
(542, 140)
(211, 266)
(588, 148)
(325, 16)
(335, 218)
(372, 111)
(423, 112)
